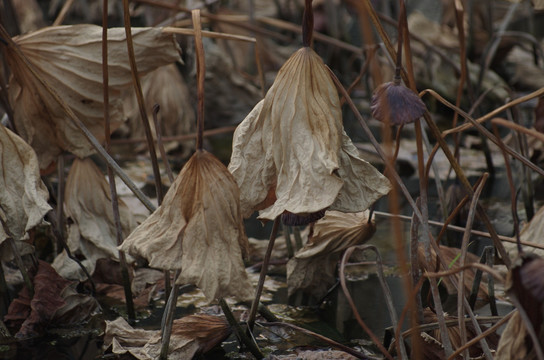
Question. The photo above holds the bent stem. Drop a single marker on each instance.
(262, 276)
(464, 249)
(342, 276)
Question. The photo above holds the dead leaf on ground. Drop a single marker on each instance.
(23, 195)
(69, 59)
(312, 269)
(291, 154)
(191, 335)
(55, 303)
(91, 231)
(145, 284)
(198, 229)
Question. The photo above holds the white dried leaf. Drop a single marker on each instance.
(92, 233)
(198, 229)
(23, 195)
(69, 59)
(291, 154)
(312, 269)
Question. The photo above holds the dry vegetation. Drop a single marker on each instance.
(336, 122)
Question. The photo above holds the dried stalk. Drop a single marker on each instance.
(262, 275)
(113, 189)
(401, 349)
(462, 260)
(497, 111)
(141, 101)
(342, 277)
(436, 133)
(160, 145)
(248, 341)
(489, 331)
(62, 14)
(483, 130)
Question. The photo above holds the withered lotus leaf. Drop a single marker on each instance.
(395, 104)
(54, 303)
(312, 269)
(166, 87)
(291, 154)
(23, 195)
(191, 335)
(69, 59)
(198, 229)
(92, 234)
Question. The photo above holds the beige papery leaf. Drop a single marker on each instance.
(165, 87)
(91, 232)
(290, 154)
(312, 269)
(69, 59)
(23, 196)
(198, 229)
(191, 335)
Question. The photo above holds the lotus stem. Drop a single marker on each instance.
(262, 276)
(113, 189)
(4, 292)
(168, 320)
(307, 24)
(248, 341)
(200, 75)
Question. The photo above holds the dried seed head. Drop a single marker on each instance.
(396, 104)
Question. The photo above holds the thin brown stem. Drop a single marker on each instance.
(262, 275)
(141, 101)
(113, 189)
(160, 145)
(487, 332)
(200, 75)
(342, 277)
(242, 336)
(464, 249)
(307, 24)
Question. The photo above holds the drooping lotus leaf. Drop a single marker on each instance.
(198, 229)
(291, 154)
